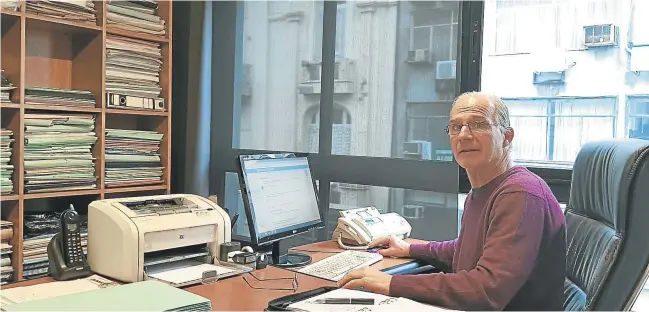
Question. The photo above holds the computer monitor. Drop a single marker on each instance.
(279, 196)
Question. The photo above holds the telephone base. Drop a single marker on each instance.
(57, 267)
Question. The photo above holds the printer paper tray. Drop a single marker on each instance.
(191, 272)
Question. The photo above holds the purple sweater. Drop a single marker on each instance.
(510, 254)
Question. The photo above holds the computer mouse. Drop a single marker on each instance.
(376, 249)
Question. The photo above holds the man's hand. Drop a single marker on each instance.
(396, 247)
(368, 278)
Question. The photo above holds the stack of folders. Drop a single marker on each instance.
(133, 158)
(38, 232)
(58, 152)
(133, 67)
(80, 10)
(139, 296)
(6, 89)
(35, 260)
(12, 5)
(6, 267)
(58, 97)
(139, 16)
(6, 166)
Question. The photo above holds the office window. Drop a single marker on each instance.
(397, 53)
(390, 99)
(341, 131)
(427, 123)
(563, 69)
(429, 213)
(277, 40)
(341, 16)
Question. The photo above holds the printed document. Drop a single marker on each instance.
(382, 303)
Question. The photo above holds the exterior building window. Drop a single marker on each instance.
(435, 29)
(638, 117)
(541, 122)
(524, 26)
(341, 132)
(341, 22)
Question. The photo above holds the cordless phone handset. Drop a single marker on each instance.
(71, 238)
(66, 257)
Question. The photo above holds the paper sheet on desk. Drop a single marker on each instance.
(185, 271)
(53, 289)
(382, 303)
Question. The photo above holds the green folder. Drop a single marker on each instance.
(140, 296)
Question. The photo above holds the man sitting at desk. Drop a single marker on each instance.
(511, 251)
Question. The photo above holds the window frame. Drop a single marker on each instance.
(227, 69)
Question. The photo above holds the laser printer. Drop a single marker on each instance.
(131, 238)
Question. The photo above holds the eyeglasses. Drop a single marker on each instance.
(294, 282)
(474, 126)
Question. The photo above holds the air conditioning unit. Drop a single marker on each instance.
(419, 150)
(420, 56)
(413, 212)
(600, 35)
(446, 70)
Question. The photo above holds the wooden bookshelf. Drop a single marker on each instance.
(50, 52)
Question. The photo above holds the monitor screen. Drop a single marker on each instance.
(279, 196)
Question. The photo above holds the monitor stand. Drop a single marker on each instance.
(289, 260)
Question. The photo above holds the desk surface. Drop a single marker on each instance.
(223, 293)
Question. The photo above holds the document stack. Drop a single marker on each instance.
(58, 152)
(6, 267)
(139, 16)
(6, 89)
(6, 167)
(38, 231)
(133, 67)
(80, 10)
(58, 97)
(133, 158)
(11, 5)
(139, 296)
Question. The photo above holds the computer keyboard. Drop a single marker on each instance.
(335, 267)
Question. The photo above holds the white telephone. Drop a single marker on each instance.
(358, 227)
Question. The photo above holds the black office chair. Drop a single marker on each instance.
(608, 226)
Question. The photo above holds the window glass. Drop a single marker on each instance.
(432, 215)
(396, 54)
(567, 72)
(388, 56)
(282, 41)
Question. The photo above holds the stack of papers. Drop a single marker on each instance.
(12, 5)
(133, 158)
(133, 67)
(6, 89)
(6, 167)
(53, 289)
(59, 97)
(6, 267)
(139, 16)
(58, 152)
(73, 10)
(140, 296)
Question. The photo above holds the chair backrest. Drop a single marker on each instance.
(608, 226)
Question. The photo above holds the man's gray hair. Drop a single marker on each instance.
(501, 113)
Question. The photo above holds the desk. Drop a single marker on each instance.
(223, 293)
